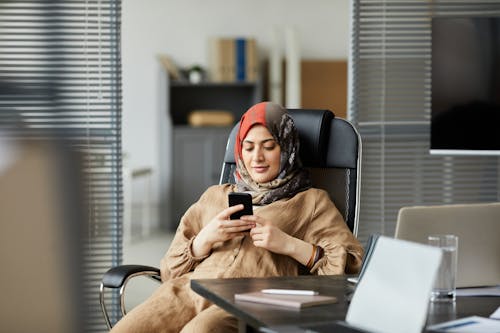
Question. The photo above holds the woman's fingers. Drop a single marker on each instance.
(239, 225)
(226, 213)
(232, 227)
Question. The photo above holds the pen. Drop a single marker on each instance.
(290, 292)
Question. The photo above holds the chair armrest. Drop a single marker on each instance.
(117, 276)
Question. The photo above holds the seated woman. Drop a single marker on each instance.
(294, 226)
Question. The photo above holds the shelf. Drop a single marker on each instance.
(234, 97)
(187, 84)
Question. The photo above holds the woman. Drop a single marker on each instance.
(294, 226)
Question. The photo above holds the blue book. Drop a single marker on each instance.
(241, 61)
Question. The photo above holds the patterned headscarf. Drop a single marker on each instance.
(292, 178)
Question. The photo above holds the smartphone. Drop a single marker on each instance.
(236, 198)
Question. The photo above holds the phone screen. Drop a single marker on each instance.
(236, 198)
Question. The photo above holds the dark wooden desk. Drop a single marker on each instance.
(254, 316)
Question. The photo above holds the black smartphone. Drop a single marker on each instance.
(236, 198)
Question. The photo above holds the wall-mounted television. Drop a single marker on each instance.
(465, 86)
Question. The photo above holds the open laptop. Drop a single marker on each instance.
(477, 227)
(370, 246)
(395, 272)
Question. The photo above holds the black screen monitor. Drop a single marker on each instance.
(465, 117)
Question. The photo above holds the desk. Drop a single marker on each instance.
(253, 316)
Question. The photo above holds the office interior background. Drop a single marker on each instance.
(106, 92)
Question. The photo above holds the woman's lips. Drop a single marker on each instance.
(260, 169)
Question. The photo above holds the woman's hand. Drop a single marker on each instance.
(272, 238)
(268, 236)
(220, 229)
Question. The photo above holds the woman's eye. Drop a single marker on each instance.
(269, 147)
(247, 148)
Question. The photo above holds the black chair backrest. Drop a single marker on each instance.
(331, 149)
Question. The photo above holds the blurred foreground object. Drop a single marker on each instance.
(41, 224)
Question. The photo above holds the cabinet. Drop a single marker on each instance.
(236, 97)
(198, 155)
(198, 151)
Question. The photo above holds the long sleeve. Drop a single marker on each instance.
(309, 215)
(342, 251)
(179, 258)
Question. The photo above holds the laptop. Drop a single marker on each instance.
(395, 272)
(477, 227)
(370, 246)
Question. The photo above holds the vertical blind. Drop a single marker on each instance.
(60, 76)
(389, 103)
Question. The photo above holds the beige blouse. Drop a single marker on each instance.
(174, 307)
(309, 215)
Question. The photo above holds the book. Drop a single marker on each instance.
(169, 66)
(241, 59)
(251, 60)
(291, 301)
(222, 59)
(233, 59)
(228, 60)
(216, 70)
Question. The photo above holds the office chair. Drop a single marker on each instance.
(330, 148)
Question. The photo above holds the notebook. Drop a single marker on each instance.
(477, 227)
(291, 301)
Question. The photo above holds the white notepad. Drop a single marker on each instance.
(393, 295)
(472, 324)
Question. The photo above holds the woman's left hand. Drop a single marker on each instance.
(268, 236)
(272, 238)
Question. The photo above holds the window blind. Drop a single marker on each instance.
(389, 103)
(60, 76)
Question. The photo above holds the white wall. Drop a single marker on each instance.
(181, 29)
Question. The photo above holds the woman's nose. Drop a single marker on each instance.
(258, 154)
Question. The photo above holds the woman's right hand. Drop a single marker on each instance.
(220, 229)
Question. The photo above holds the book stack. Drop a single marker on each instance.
(233, 60)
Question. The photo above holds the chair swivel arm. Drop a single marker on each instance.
(118, 277)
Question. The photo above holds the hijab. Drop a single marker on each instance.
(292, 177)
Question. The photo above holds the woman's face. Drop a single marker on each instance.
(261, 154)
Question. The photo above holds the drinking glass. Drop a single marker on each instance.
(444, 289)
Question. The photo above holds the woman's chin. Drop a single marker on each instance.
(261, 178)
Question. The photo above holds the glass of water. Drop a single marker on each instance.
(444, 289)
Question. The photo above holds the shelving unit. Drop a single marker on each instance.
(235, 97)
(199, 151)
